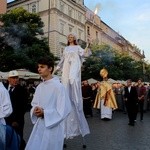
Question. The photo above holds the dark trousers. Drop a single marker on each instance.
(87, 107)
(131, 110)
(140, 108)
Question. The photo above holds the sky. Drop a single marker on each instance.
(130, 18)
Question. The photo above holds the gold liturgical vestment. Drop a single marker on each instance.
(105, 93)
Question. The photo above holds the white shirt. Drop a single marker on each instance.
(129, 89)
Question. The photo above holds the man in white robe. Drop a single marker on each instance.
(5, 111)
(50, 106)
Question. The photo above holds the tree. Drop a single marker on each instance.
(147, 71)
(119, 66)
(21, 40)
(102, 57)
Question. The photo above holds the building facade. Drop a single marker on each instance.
(3, 6)
(99, 32)
(62, 17)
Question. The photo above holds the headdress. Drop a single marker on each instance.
(103, 73)
(74, 35)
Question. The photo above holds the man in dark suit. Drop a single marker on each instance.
(18, 96)
(131, 101)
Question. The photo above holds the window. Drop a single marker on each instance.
(79, 16)
(80, 33)
(62, 6)
(91, 17)
(33, 8)
(70, 11)
(88, 30)
(70, 29)
(79, 1)
(62, 28)
(96, 34)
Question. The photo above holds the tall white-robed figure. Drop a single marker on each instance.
(70, 64)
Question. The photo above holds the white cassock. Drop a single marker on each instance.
(48, 132)
(106, 112)
(70, 64)
(5, 104)
(5, 111)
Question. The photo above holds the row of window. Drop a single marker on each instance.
(70, 30)
(88, 32)
(71, 11)
(33, 8)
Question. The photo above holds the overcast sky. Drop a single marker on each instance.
(130, 18)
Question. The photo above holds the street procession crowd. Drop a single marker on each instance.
(59, 108)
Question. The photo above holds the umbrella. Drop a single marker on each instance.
(26, 74)
(3, 75)
(112, 80)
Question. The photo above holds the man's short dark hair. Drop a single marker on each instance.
(129, 80)
(47, 61)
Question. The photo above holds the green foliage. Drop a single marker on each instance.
(21, 40)
(119, 66)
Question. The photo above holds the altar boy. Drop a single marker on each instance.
(50, 106)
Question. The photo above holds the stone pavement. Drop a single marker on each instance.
(110, 135)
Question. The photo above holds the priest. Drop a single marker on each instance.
(105, 99)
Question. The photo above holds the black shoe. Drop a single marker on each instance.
(105, 119)
(131, 124)
(65, 146)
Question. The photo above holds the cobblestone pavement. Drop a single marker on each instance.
(110, 135)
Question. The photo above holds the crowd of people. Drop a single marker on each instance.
(59, 108)
(127, 102)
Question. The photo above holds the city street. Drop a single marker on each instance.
(110, 135)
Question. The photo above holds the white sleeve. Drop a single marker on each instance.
(81, 51)
(60, 64)
(5, 104)
(34, 103)
(53, 117)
